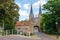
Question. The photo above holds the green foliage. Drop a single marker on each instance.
(52, 6)
(52, 15)
(8, 13)
(48, 23)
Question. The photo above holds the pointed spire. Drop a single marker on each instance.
(40, 9)
(31, 16)
(31, 10)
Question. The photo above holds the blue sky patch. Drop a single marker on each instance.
(25, 7)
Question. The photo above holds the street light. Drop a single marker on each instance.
(44, 27)
(56, 23)
(56, 29)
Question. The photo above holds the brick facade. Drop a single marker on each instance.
(28, 26)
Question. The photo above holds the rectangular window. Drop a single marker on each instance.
(18, 28)
(26, 28)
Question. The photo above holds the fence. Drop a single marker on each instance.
(13, 32)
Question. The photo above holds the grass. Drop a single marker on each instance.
(54, 36)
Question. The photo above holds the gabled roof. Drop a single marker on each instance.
(22, 23)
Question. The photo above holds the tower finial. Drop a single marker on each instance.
(31, 10)
(31, 16)
(40, 9)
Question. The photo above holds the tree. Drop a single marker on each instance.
(51, 16)
(11, 15)
(52, 6)
(48, 23)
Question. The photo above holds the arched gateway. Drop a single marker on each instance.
(36, 29)
(32, 25)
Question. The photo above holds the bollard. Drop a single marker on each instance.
(6, 32)
(12, 31)
(29, 34)
(17, 32)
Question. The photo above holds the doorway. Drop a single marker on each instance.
(36, 29)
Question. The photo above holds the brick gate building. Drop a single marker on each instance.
(28, 26)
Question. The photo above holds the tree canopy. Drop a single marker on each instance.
(51, 16)
(9, 13)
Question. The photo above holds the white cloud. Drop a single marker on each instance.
(36, 4)
(43, 2)
(27, 6)
(18, 4)
(23, 13)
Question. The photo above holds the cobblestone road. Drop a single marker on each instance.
(16, 37)
(19, 37)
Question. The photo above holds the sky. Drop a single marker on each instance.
(25, 6)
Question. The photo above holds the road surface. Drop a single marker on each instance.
(44, 36)
(16, 37)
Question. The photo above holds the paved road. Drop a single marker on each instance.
(16, 37)
(44, 36)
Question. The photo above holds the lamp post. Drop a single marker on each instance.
(56, 29)
(44, 27)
